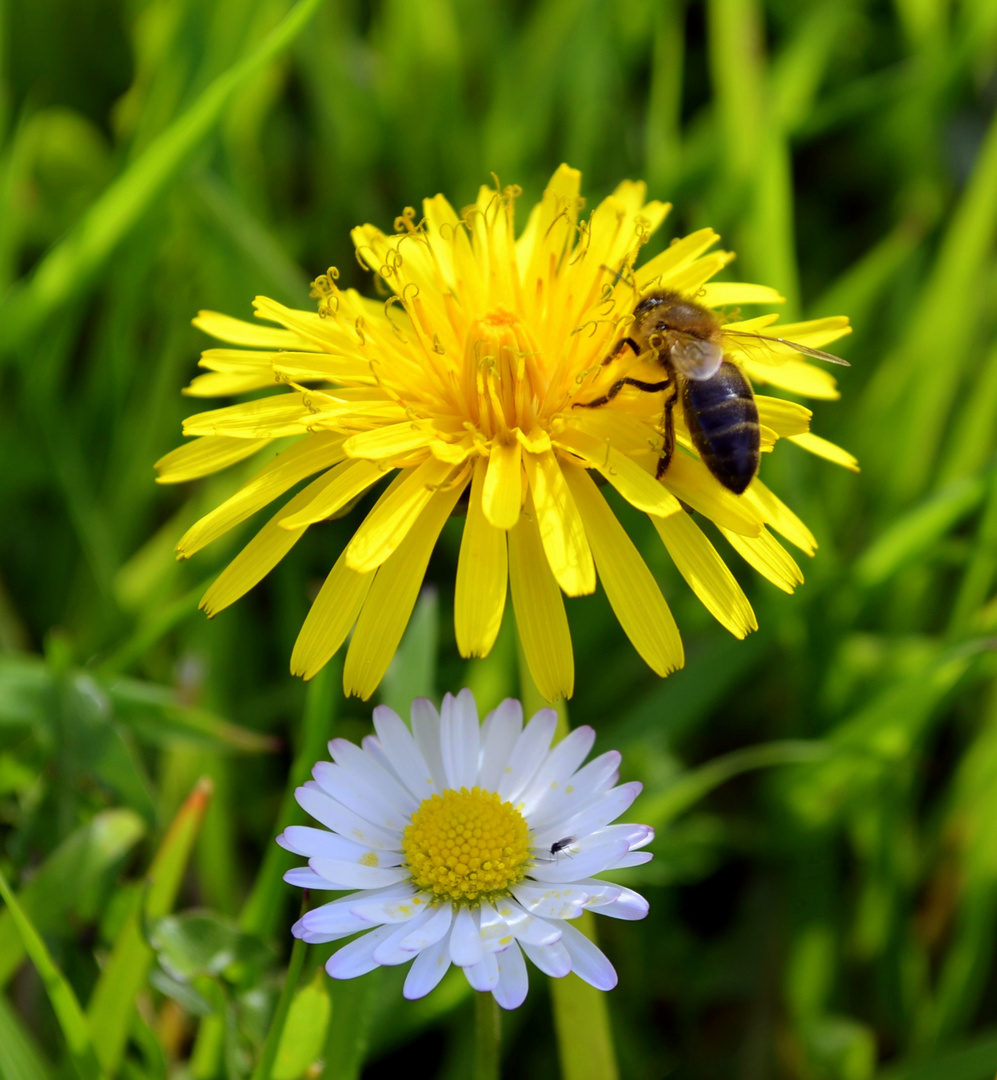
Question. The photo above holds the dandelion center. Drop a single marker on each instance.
(504, 379)
(466, 846)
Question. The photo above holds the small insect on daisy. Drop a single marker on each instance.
(449, 834)
(687, 340)
(560, 845)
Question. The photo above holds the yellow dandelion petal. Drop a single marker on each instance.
(311, 365)
(395, 440)
(630, 587)
(226, 384)
(797, 377)
(339, 486)
(707, 574)
(768, 557)
(634, 483)
(513, 363)
(721, 293)
(258, 557)
(387, 525)
(785, 418)
(482, 576)
(777, 514)
(287, 469)
(239, 332)
(265, 418)
(540, 616)
(826, 449)
(502, 494)
(388, 606)
(561, 530)
(674, 258)
(203, 456)
(690, 480)
(330, 618)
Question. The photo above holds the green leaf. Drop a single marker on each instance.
(67, 1009)
(303, 1037)
(203, 943)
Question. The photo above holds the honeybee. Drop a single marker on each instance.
(687, 340)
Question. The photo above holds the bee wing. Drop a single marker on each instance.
(696, 359)
(817, 354)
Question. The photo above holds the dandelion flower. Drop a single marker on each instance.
(465, 387)
(468, 845)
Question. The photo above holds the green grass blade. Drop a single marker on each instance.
(68, 1013)
(19, 1057)
(70, 872)
(110, 1008)
(264, 1067)
(76, 259)
(664, 806)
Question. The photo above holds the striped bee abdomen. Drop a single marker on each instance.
(723, 421)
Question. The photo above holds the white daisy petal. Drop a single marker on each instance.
(629, 906)
(484, 975)
(303, 840)
(514, 981)
(360, 764)
(345, 916)
(553, 960)
(399, 747)
(427, 970)
(372, 748)
(602, 810)
(586, 785)
(357, 958)
(497, 928)
(459, 740)
(333, 815)
(390, 951)
(387, 908)
(558, 767)
(352, 790)
(351, 875)
(430, 932)
(466, 947)
(307, 879)
(528, 754)
(635, 858)
(350, 924)
(588, 961)
(502, 727)
(595, 860)
(426, 732)
(550, 903)
(535, 931)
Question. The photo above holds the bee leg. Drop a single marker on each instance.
(668, 447)
(619, 347)
(651, 388)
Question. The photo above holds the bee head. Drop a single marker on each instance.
(664, 311)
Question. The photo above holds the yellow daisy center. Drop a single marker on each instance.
(466, 846)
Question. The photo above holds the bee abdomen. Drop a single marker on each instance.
(723, 421)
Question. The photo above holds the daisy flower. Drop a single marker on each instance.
(468, 845)
(465, 389)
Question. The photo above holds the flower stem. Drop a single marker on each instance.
(487, 1037)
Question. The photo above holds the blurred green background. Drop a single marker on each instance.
(824, 893)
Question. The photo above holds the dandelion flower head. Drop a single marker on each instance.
(466, 387)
